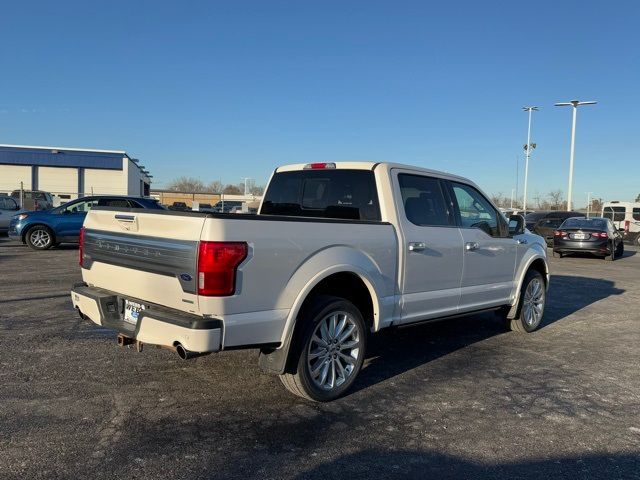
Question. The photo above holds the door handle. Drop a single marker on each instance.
(469, 246)
(416, 246)
(522, 241)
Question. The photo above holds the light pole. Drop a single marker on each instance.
(588, 203)
(512, 192)
(245, 184)
(527, 151)
(575, 104)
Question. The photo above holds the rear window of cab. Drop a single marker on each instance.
(339, 194)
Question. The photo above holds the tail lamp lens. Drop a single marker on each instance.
(81, 248)
(217, 266)
(601, 235)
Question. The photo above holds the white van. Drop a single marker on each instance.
(626, 217)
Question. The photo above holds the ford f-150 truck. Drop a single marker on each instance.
(337, 251)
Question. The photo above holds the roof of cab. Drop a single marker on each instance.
(367, 165)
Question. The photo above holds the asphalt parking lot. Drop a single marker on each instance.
(461, 399)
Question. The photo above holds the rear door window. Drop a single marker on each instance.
(423, 201)
(340, 193)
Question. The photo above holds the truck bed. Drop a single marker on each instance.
(152, 255)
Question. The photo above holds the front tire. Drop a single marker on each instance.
(533, 296)
(329, 352)
(40, 237)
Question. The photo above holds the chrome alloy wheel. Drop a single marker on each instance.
(40, 238)
(334, 350)
(533, 305)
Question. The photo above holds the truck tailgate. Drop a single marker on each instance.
(148, 256)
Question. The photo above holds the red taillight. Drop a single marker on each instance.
(319, 166)
(601, 234)
(626, 225)
(559, 233)
(217, 264)
(81, 248)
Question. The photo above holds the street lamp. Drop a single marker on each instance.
(245, 184)
(527, 151)
(588, 203)
(575, 104)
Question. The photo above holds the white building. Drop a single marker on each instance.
(69, 173)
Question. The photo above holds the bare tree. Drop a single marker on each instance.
(555, 196)
(596, 205)
(498, 199)
(215, 186)
(233, 190)
(638, 198)
(187, 184)
(257, 190)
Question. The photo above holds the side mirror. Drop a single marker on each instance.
(516, 225)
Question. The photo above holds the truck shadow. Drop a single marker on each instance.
(395, 351)
(380, 463)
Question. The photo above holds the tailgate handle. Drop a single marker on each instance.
(126, 218)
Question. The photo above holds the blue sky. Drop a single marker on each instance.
(224, 90)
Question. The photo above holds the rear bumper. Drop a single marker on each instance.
(598, 247)
(155, 325)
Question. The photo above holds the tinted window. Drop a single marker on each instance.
(7, 203)
(614, 213)
(423, 200)
(534, 217)
(476, 211)
(550, 223)
(79, 207)
(113, 202)
(347, 194)
(595, 223)
(636, 213)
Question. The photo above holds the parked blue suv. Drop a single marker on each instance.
(44, 229)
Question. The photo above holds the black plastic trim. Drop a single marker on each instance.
(114, 319)
(244, 216)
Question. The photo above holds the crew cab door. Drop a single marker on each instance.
(431, 247)
(489, 253)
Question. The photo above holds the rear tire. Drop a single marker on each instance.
(328, 353)
(40, 237)
(533, 296)
(612, 256)
(620, 250)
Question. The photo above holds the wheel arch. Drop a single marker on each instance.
(27, 228)
(348, 281)
(537, 262)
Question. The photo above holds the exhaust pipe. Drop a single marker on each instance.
(185, 354)
(123, 340)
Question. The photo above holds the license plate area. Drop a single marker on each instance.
(580, 236)
(132, 311)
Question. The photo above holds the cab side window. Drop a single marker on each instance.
(80, 207)
(423, 201)
(476, 211)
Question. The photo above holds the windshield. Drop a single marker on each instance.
(591, 223)
(534, 217)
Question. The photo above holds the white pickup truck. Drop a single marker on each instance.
(336, 252)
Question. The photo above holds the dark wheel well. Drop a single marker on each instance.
(348, 286)
(540, 267)
(30, 227)
(345, 285)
